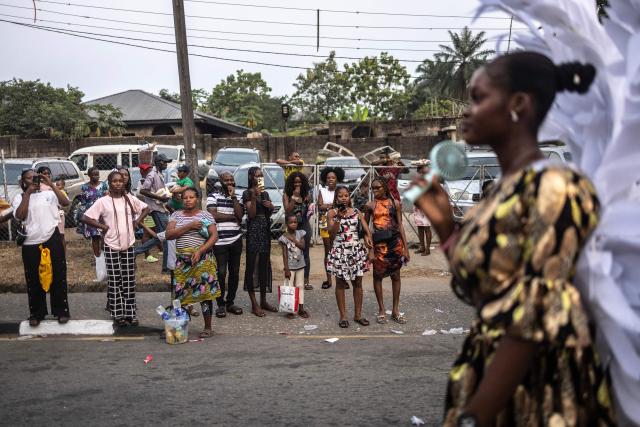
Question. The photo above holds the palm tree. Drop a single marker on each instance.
(451, 70)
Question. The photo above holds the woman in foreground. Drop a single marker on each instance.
(529, 358)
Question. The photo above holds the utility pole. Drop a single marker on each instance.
(510, 27)
(188, 127)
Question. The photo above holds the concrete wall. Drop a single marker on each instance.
(271, 148)
(388, 128)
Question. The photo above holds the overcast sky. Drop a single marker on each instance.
(100, 68)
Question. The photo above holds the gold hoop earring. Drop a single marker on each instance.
(514, 116)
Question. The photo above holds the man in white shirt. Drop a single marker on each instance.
(38, 211)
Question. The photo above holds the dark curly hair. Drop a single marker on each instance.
(385, 185)
(326, 171)
(304, 188)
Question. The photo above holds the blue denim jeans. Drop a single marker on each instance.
(161, 219)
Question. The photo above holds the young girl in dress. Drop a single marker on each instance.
(293, 245)
(348, 258)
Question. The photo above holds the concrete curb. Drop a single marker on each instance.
(21, 288)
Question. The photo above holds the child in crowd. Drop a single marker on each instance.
(292, 243)
(182, 184)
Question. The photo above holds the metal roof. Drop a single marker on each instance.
(138, 106)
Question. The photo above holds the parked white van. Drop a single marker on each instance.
(106, 157)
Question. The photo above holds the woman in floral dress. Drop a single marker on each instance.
(347, 259)
(89, 193)
(529, 359)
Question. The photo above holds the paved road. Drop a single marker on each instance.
(250, 373)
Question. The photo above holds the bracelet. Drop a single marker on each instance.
(444, 247)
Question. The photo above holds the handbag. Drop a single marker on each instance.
(288, 298)
(380, 236)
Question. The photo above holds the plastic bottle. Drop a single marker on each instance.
(177, 308)
(162, 313)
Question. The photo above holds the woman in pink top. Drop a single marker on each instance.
(119, 215)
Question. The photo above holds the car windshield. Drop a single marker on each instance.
(235, 158)
(170, 152)
(343, 162)
(482, 165)
(273, 177)
(13, 171)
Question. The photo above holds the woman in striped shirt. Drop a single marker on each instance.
(195, 275)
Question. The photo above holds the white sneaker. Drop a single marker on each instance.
(151, 258)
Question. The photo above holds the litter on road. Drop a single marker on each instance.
(416, 421)
(452, 331)
(148, 359)
(310, 327)
(397, 332)
(332, 340)
(430, 332)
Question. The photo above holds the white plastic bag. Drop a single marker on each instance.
(101, 268)
(288, 298)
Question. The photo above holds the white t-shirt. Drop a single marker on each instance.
(42, 217)
(119, 237)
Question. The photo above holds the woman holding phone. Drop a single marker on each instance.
(259, 208)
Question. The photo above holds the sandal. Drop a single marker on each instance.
(134, 322)
(326, 285)
(206, 333)
(308, 287)
(343, 323)
(381, 318)
(120, 322)
(234, 309)
(258, 314)
(346, 286)
(221, 312)
(304, 314)
(399, 319)
(362, 321)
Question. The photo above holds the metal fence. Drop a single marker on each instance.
(462, 199)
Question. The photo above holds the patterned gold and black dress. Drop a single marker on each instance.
(515, 262)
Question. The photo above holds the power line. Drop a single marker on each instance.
(152, 48)
(259, 21)
(218, 31)
(355, 12)
(228, 39)
(202, 46)
(68, 33)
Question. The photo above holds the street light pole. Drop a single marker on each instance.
(188, 127)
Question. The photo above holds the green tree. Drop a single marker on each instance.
(380, 84)
(451, 70)
(198, 98)
(322, 91)
(32, 109)
(105, 120)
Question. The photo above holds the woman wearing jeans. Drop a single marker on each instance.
(38, 211)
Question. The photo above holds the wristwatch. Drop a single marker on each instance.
(466, 420)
